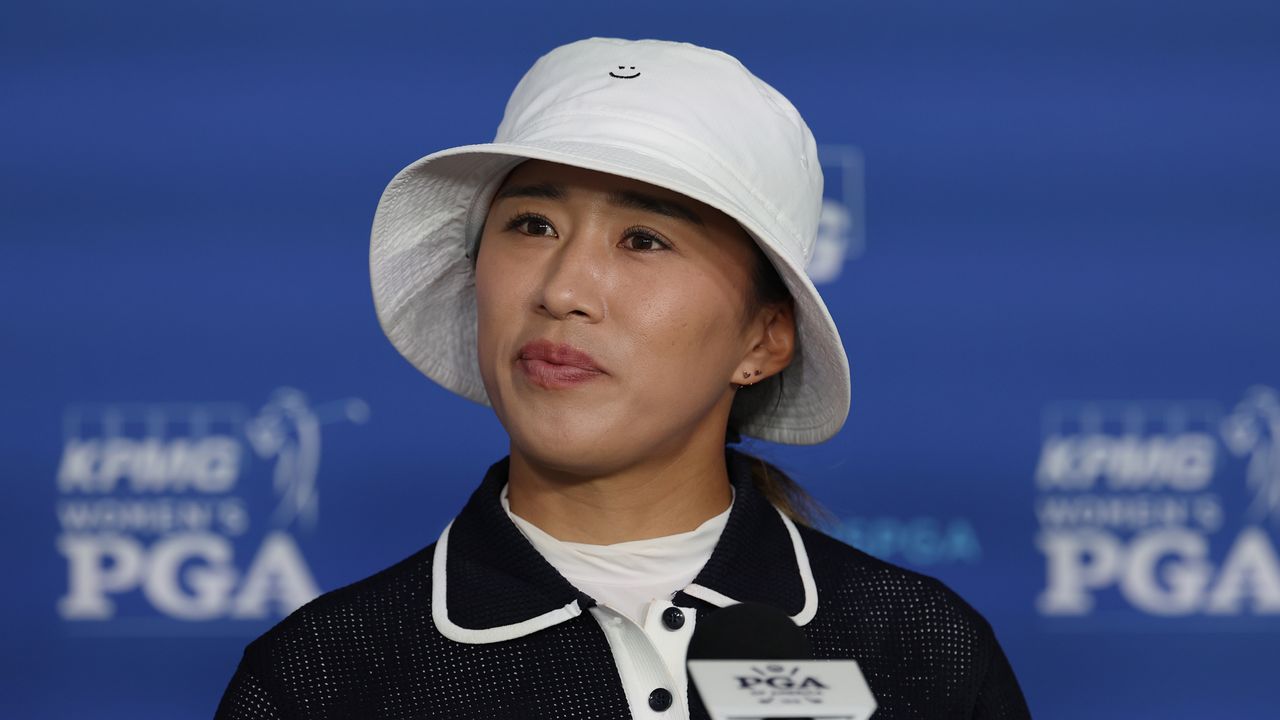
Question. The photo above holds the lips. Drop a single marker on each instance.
(556, 365)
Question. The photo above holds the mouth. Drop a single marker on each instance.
(556, 365)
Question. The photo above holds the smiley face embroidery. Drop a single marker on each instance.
(625, 77)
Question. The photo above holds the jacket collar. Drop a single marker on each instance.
(490, 584)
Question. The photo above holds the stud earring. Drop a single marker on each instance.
(745, 375)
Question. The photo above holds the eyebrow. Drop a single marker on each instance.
(632, 199)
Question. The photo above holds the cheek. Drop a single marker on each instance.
(686, 328)
(498, 299)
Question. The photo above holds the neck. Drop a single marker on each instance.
(644, 500)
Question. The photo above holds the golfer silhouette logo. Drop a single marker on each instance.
(288, 429)
(1253, 430)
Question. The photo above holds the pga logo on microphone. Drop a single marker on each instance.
(1169, 509)
(752, 689)
(781, 682)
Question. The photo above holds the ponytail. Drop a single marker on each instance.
(783, 492)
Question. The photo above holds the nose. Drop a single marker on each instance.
(575, 276)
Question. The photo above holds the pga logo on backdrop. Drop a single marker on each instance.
(1169, 508)
(841, 226)
(191, 511)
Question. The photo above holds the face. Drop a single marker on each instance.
(612, 317)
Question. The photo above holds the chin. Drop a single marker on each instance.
(580, 448)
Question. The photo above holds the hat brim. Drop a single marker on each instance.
(431, 213)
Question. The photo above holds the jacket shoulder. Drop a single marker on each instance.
(383, 598)
(848, 575)
(296, 657)
(915, 637)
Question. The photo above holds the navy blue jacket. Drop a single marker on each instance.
(480, 625)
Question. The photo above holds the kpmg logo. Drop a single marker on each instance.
(841, 229)
(190, 511)
(782, 684)
(1168, 509)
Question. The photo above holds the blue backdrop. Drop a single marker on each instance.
(1052, 244)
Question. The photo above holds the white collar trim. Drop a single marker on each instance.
(440, 610)
(806, 580)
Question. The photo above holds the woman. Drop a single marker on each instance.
(620, 275)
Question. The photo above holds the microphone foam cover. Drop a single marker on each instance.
(748, 631)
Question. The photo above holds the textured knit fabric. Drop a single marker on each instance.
(632, 583)
(373, 649)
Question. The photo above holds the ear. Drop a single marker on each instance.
(771, 341)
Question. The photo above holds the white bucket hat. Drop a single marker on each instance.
(676, 115)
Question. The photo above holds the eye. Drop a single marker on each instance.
(642, 240)
(534, 220)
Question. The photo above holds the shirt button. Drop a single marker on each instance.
(660, 699)
(673, 618)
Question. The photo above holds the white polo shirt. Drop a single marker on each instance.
(633, 582)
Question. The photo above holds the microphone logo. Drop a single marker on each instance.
(782, 684)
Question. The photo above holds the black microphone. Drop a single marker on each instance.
(748, 631)
(750, 661)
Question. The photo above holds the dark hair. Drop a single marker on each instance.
(767, 289)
